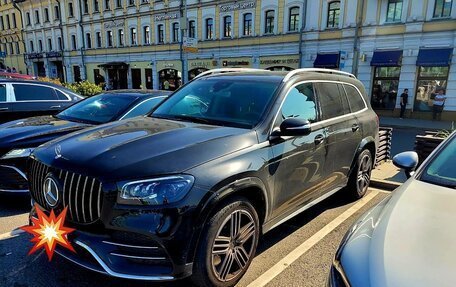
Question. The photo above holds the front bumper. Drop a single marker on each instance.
(13, 178)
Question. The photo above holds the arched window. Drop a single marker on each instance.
(333, 14)
(247, 24)
(227, 26)
(269, 22)
(293, 20)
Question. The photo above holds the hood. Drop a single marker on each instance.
(412, 243)
(143, 147)
(32, 132)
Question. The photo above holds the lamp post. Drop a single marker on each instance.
(183, 26)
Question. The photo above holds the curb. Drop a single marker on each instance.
(384, 184)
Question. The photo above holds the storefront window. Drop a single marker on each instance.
(170, 79)
(195, 72)
(430, 81)
(384, 89)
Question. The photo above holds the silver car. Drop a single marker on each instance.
(408, 239)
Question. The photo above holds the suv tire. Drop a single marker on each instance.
(224, 254)
(359, 180)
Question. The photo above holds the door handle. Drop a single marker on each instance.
(319, 139)
(355, 127)
(3, 109)
(56, 107)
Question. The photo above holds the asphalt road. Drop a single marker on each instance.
(297, 253)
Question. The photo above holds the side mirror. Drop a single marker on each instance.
(408, 161)
(295, 127)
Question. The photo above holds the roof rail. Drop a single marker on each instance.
(317, 70)
(228, 70)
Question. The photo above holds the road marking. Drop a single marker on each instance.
(11, 234)
(280, 266)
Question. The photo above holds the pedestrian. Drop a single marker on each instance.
(8, 69)
(404, 101)
(13, 70)
(166, 84)
(439, 103)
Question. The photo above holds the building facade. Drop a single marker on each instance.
(391, 45)
(11, 38)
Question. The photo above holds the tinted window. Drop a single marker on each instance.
(332, 103)
(230, 101)
(98, 109)
(2, 93)
(300, 103)
(61, 96)
(143, 108)
(438, 170)
(355, 99)
(33, 93)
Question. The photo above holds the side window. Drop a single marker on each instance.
(332, 103)
(2, 93)
(61, 96)
(300, 103)
(354, 98)
(143, 108)
(33, 93)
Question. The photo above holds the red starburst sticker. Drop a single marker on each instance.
(48, 232)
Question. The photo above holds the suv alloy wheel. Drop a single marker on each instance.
(360, 177)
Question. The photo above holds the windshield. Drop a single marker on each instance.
(235, 101)
(440, 170)
(97, 109)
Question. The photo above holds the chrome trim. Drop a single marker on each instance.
(76, 198)
(15, 190)
(69, 196)
(116, 274)
(317, 70)
(98, 201)
(137, 257)
(131, 246)
(83, 196)
(229, 70)
(90, 199)
(17, 170)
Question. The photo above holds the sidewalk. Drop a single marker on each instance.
(387, 176)
(416, 123)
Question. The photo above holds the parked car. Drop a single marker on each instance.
(188, 190)
(20, 137)
(22, 99)
(407, 239)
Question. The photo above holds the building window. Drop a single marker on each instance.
(108, 6)
(2, 26)
(209, 28)
(120, 35)
(40, 45)
(14, 20)
(160, 34)
(333, 14)
(11, 48)
(32, 47)
(109, 38)
(131, 2)
(119, 4)
(59, 40)
(227, 26)
(46, 15)
(293, 20)
(18, 48)
(430, 81)
(37, 17)
(133, 36)
(394, 11)
(56, 12)
(86, 6)
(385, 86)
(28, 20)
(442, 8)
(96, 6)
(192, 29)
(73, 42)
(70, 10)
(247, 24)
(146, 35)
(8, 24)
(88, 41)
(98, 35)
(50, 44)
(175, 32)
(269, 22)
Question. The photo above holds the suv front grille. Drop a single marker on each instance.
(81, 194)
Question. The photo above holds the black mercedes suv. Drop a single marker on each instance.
(188, 190)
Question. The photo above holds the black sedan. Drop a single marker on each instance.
(22, 99)
(19, 138)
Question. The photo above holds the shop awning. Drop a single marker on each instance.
(114, 65)
(434, 57)
(327, 60)
(387, 58)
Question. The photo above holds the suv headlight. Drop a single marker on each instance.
(17, 153)
(157, 191)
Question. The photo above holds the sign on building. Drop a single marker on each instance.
(2, 54)
(190, 45)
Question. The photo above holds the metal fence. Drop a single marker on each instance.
(384, 147)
